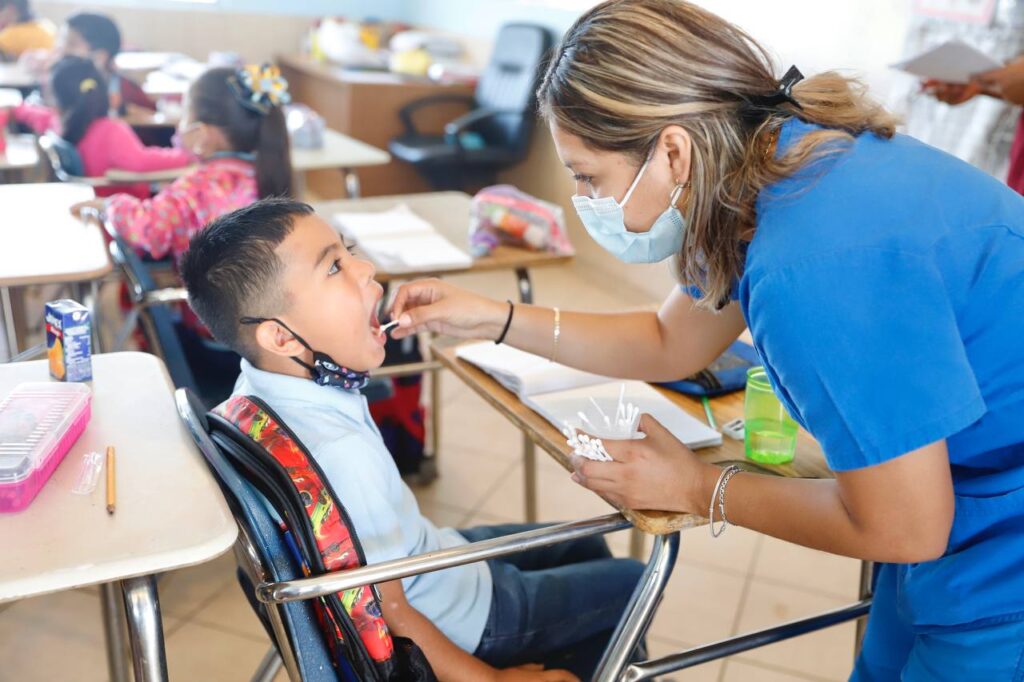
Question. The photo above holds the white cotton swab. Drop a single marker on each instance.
(389, 325)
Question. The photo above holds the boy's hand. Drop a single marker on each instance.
(534, 673)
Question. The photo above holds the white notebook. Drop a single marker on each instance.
(400, 241)
(558, 393)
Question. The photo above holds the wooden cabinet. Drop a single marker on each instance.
(365, 105)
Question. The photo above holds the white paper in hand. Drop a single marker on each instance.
(952, 62)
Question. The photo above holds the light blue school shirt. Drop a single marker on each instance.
(884, 290)
(336, 427)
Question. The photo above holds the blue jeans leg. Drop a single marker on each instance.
(557, 605)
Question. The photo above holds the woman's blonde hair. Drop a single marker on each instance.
(629, 68)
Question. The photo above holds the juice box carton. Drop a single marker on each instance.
(69, 340)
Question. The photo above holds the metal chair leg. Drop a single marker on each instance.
(268, 667)
(113, 629)
(529, 479)
(640, 610)
(866, 591)
(145, 629)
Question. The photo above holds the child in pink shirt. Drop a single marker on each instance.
(103, 143)
(240, 138)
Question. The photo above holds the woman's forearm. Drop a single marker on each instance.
(630, 345)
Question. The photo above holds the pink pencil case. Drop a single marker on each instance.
(39, 422)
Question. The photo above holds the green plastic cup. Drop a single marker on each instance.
(770, 431)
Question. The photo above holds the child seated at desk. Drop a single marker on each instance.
(20, 31)
(234, 126)
(103, 143)
(96, 37)
(275, 282)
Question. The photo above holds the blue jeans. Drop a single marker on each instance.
(892, 652)
(557, 605)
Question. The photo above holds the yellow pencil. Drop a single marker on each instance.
(111, 483)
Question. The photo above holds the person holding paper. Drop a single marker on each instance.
(881, 280)
(1005, 83)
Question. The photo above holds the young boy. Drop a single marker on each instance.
(275, 283)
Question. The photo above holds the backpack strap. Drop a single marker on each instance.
(280, 466)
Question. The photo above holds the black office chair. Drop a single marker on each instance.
(496, 132)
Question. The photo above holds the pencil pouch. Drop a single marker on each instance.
(39, 422)
(726, 374)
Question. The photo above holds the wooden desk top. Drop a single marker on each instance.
(448, 212)
(14, 76)
(21, 153)
(809, 461)
(43, 242)
(143, 118)
(170, 512)
(339, 151)
(341, 74)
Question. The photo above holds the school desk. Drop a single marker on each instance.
(20, 156)
(137, 65)
(14, 76)
(448, 212)
(809, 461)
(45, 244)
(339, 152)
(537, 431)
(169, 511)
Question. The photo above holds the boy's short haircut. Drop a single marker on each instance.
(231, 270)
(98, 30)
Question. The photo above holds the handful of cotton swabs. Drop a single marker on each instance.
(623, 427)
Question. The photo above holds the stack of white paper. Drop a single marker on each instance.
(559, 393)
(400, 241)
(952, 62)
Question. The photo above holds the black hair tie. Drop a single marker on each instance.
(783, 95)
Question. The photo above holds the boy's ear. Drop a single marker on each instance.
(274, 338)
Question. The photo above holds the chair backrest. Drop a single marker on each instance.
(157, 319)
(263, 555)
(63, 157)
(510, 82)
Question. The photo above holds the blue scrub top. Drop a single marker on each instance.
(884, 290)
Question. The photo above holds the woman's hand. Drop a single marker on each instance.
(655, 473)
(534, 673)
(1006, 82)
(951, 93)
(439, 307)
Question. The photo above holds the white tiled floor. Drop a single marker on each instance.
(720, 587)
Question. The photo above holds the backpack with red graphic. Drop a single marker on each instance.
(267, 453)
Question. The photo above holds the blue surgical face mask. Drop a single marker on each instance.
(605, 222)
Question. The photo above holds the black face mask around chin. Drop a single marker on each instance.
(324, 370)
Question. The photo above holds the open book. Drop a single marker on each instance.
(559, 393)
(400, 241)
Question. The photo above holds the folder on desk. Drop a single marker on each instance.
(558, 393)
(400, 241)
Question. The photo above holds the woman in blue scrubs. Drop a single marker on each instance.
(882, 282)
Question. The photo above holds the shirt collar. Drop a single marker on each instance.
(273, 386)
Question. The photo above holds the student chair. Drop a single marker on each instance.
(281, 596)
(495, 132)
(274, 583)
(204, 367)
(66, 164)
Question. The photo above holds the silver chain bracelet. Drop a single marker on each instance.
(718, 494)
